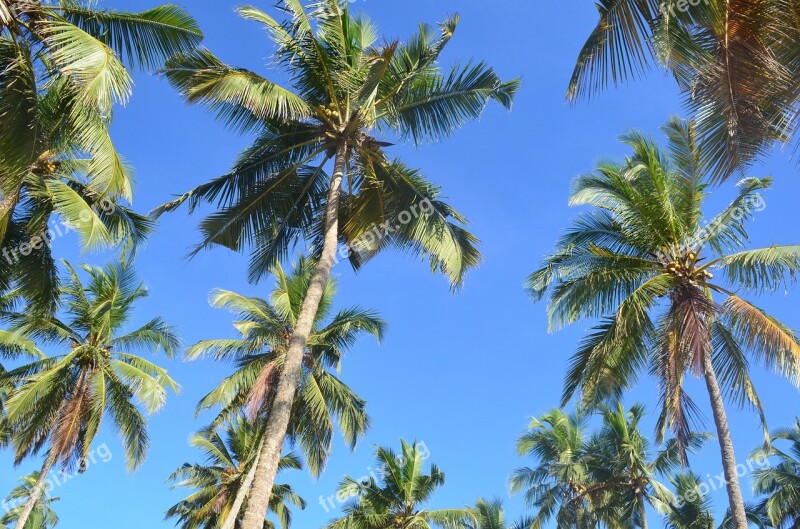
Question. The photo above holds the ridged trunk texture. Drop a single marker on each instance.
(279, 413)
(726, 446)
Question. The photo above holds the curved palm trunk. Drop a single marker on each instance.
(278, 419)
(37, 491)
(242, 493)
(726, 446)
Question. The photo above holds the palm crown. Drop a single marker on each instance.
(346, 86)
(43, 515)
(229, 455)
(265, 328)
(735, 61)
(399, 497)
(642, 259)
(584, 480)
(62, 67)
(780, 482)
(63, 398)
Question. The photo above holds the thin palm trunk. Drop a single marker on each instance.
(643, 512)
(244, 489)
(37, 491)
(726, 446)
(7, 204)
(278, 419)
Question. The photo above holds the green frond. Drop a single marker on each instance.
(145, 39)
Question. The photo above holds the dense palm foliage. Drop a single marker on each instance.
(692, 510)
(641, 259)
(399, 496)
(737, 62)
(486, 514)
(42, 517)
(624, 470)
(347, 85)
(586, 481)
(62, 68)
(780, 483)
(556, 487)
(215, 484)
(59, 402)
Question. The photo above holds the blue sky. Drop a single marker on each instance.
(462, 372)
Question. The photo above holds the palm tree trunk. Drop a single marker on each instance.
(7, 204)
(726, 446)
(242, 493)
(643, 512)
(37, 491)
(278, 419)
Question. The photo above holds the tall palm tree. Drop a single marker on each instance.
(736, 61)
(398, 497)
(62, 68)
(265, 329)
(43, 515)
(215, 484)
(781, 481)
(642, 260)
(59, 402)
(346, 86)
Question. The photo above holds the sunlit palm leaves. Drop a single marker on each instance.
(43, 515)
(346, 86)
(264, 329)
(60, 401)
(62, 68)
(642, 260)
(736, 62)
(556, 487)
(780, 482)
(399, 496)
(604, 479)
(229, 455)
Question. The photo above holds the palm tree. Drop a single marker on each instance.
(265, 329)
(691, 509)
(607, 478)
(736, 61)
(642, 259)
(42, 517)
(486, 514)
(216, 483)
(557, 487)
(59, 402)
(397, 499)
(346, 85)
(624, 469)
(62, 67)
(781, 481)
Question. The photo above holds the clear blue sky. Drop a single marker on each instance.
(462, 372)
